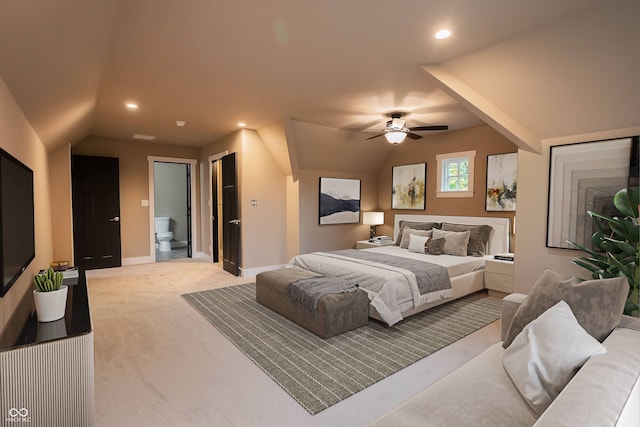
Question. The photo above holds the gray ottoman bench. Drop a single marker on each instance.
(336, 313)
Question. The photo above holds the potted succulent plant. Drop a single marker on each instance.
(50, 296)
(616, 246)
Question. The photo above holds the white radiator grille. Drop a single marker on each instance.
(49, 384)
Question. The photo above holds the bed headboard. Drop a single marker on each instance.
(498, 242)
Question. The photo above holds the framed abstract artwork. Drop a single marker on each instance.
(339, 201)
(502, 171)
(584, 177)
(408, 188)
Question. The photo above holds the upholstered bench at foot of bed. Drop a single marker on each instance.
(336, 313)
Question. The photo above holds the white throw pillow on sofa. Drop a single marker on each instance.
(548, 352)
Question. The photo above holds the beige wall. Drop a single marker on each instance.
(61, 209)
(577, 82)
(134, 184)
(483, 139)
(18, 139)
(316, 237)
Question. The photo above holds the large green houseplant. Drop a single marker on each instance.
(615, 246)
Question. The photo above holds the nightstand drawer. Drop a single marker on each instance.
(499, 267)
(498, 282)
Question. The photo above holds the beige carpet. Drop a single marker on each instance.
(160, 363)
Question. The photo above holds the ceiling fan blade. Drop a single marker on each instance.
(436, 127)
(413, 135)
(375, 136)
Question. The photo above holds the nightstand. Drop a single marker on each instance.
(498, 277)
(365, 244)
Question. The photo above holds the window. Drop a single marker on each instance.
(455, 174)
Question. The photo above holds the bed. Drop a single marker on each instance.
(402, 288)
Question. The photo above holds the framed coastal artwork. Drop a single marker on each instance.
(502, 171)
(339, 201)
(408, 187)
(584, 177)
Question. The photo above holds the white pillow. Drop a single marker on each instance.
(455, 242)
(404, 242)
(544, 357)
(417, 243)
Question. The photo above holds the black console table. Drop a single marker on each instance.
(47, 374)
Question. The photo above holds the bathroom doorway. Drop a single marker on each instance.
(171, 185)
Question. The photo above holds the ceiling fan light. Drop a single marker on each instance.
(395, 137)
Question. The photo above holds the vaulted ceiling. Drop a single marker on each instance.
(72, 65)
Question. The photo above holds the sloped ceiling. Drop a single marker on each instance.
(71, 65)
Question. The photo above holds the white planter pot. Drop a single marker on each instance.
(51, 306)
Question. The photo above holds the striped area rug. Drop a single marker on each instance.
(319, 373)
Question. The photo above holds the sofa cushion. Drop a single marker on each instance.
(544, 357)
(597, 304)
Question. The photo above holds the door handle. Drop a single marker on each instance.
(234, 221)
(114, 219)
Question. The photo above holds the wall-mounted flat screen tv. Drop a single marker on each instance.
(17, 234)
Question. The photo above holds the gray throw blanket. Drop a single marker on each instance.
(306, 292)
(430, 277)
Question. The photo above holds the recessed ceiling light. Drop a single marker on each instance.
(442, 34)
(180, 123)
(131, 105)
(241, 124)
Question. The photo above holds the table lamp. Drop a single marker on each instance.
(373, 219)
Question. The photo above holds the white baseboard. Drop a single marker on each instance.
(202, 255)
(137, 260)
(252, 272)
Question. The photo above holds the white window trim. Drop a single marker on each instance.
(471, 155)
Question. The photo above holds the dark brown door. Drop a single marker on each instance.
(96, 211)
(230, 216)
(215, 234)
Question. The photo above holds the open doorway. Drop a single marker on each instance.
(172, 225)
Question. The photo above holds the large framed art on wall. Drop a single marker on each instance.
(502, 171)
(408, 188)
(339, 201)
(584, 177)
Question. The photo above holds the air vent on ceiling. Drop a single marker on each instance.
(145, 137)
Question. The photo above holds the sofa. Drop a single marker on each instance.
(605, 391)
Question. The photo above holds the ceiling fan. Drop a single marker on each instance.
(396, 130)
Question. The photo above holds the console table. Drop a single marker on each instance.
(47, 375)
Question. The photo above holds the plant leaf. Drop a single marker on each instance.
(626, 201)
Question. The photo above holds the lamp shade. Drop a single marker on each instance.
(395, 136)
(373, 218)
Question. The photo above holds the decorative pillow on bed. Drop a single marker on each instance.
(418, 243)
(434, 246)
(597, 304)
(416, 226)
(408, 232)
(455, 243)
(478, 240)
(545, 356)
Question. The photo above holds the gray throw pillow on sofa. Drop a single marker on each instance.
(478, 240)
(597, 304)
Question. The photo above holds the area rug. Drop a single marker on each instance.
(319, 373)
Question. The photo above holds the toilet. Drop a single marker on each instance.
(163, 235)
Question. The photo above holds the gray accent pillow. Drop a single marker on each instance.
(455, 243)
(406, 234)
(434, 246)
(597, 304)
(479, 239)
(416, 226)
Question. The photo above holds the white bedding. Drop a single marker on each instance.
(389, 288)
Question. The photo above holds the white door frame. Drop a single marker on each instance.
(152, 226)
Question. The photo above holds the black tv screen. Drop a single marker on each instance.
(17, 235)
